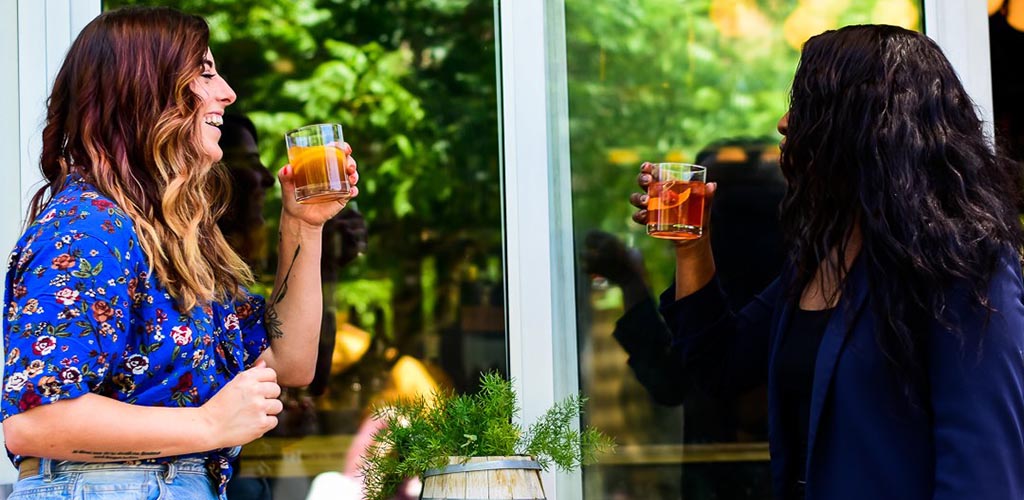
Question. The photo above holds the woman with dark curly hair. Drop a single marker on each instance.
(893, 341)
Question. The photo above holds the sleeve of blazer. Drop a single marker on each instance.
(645, 337)
(697, 338)
(977, 396)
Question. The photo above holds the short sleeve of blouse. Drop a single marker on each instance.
(67, 308)
(250, 322)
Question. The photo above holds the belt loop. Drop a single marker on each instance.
(46, 469)
(172, 472)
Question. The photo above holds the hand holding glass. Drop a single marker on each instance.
(318, 163)
(675, 201)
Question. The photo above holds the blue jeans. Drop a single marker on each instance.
(182, 479)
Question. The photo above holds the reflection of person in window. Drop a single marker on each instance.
(132, 342)
(243, 225)
(892, 341)
(746, 225)
(242, 222)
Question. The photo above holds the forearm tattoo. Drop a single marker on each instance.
(116, 456)
(270, 318)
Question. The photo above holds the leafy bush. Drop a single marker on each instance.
(422, 433)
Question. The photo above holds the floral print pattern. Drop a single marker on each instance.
(83, 315)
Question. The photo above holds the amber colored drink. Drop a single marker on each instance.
(675, 209)
(318, 162)
(319, 173)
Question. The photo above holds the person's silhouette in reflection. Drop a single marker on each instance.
(745, 215)
(745, 219)
(746, 225)
(243, 222)
(344, 240)
(244, 227)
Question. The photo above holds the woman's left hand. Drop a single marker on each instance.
(316, 214)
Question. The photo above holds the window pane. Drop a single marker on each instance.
(413, 285)
(700, 81)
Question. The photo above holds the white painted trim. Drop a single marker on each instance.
(538, 219)
(83, 11)
(58, 16)
(960, 27)
(33, 90)
(563, 258)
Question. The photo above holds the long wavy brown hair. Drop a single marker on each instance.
(122, 115)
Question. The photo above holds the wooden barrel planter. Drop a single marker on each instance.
(484, 478)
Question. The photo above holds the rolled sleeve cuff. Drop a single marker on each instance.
(44, 389)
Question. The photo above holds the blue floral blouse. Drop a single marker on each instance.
(83, 315)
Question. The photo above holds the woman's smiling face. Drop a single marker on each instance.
(216, 95)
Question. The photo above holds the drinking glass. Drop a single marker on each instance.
(675, 201)
(318, 163)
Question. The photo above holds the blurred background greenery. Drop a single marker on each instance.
(413, 84)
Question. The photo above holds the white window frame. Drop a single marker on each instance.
(539, 267)
(960, 27)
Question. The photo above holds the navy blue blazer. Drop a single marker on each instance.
(960, 437)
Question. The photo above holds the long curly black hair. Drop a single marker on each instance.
(883, 139)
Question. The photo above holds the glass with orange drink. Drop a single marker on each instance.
(675, 201)
(318, 163)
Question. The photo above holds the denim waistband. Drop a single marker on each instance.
(190, 464)
(48, 468)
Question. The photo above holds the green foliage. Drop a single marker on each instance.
(422, 433)
(365, 298)
(552, 438)
(414, 84)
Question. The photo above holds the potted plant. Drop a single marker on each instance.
(441, 434)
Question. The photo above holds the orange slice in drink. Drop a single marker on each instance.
(668, 199)
(315, 154)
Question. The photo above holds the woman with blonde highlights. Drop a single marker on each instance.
(137, 363)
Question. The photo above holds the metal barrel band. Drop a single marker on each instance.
(495, 465)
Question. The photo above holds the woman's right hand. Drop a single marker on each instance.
(245, 408)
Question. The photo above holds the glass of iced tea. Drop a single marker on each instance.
(318, 163)
(675, 201)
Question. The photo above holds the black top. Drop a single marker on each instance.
(795, 365)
